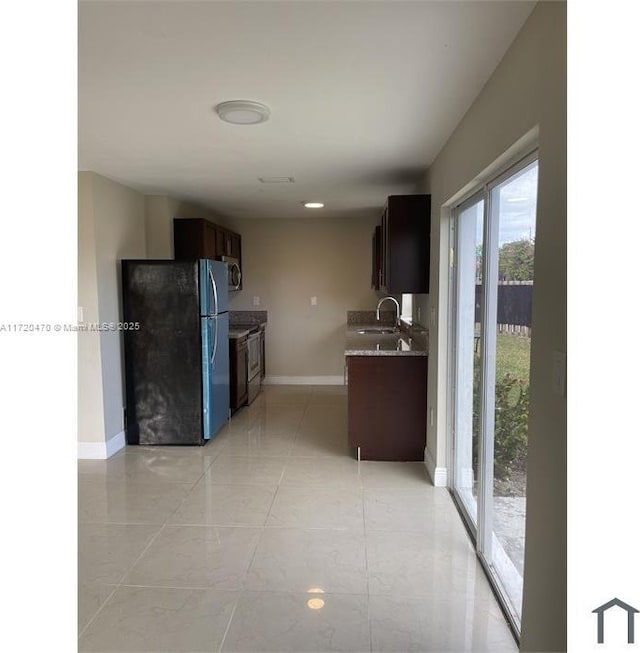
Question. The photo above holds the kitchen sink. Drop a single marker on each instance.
(378, 330)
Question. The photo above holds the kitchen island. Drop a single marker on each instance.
(387, 393)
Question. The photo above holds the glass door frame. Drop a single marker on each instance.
(477, 196)
(482, 534)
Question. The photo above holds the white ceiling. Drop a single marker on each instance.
(363, 95)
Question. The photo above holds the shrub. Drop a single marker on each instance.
(511, 423)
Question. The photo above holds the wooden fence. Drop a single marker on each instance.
(514, 306)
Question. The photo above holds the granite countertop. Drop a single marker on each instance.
(242, 323)
(378, 344)
(237, 333)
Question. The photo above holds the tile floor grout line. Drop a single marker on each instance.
(97, 612)
(119, 583)
(231, 616)
(366, 564)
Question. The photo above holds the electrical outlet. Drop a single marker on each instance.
(314, 301)
(256, 301)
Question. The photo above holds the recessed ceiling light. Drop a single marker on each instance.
(313, 205)
(242, 112)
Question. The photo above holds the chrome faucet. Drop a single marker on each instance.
(395, 301)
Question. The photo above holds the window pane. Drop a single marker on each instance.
(469, 251)
(514, 202)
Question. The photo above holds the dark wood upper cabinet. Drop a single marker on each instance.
(193, 239)
(376, 258)
(405, 235)
(199, 238)
(210, 236)
(236, 243)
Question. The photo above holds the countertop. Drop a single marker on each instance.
(377, 344)
(237, 333)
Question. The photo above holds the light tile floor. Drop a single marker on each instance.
(272, 538)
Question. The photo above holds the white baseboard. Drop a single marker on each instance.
(101, 450)
(304, 380)
(438, 475)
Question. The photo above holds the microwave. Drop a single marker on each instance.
(235, 274)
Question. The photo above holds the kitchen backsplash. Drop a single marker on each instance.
(369, 317)
(242, 318)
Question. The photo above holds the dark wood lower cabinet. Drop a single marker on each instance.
(239, 388)
(387, 401)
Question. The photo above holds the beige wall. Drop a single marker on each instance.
(90, 406)
(285, 263)
(330, 259)
(158, 227)
(526, 93)
(120, 233)
(111, 227)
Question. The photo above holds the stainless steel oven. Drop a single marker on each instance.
(254, 365)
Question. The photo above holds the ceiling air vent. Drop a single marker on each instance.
(276, 180)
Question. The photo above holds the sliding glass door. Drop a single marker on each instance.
(492, 279)
(469, 246)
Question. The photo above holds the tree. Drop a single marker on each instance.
(516, 261)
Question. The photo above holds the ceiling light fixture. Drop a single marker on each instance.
(313, 205)
(242, 112)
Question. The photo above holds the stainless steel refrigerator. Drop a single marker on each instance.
(176, 350)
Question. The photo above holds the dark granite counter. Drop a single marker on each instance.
(401, 343)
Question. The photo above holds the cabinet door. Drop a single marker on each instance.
(384, 249)
(235, 246)
(406, 244)
(220, 242)
(238, 373)
(209, 242)
(384, 422)
(188, 238)
(376, 258)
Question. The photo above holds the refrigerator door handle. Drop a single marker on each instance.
(215, 344)
(214, 286)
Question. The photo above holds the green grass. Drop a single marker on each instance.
(512, 356)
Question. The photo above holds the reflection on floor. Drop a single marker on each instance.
(272, 538)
